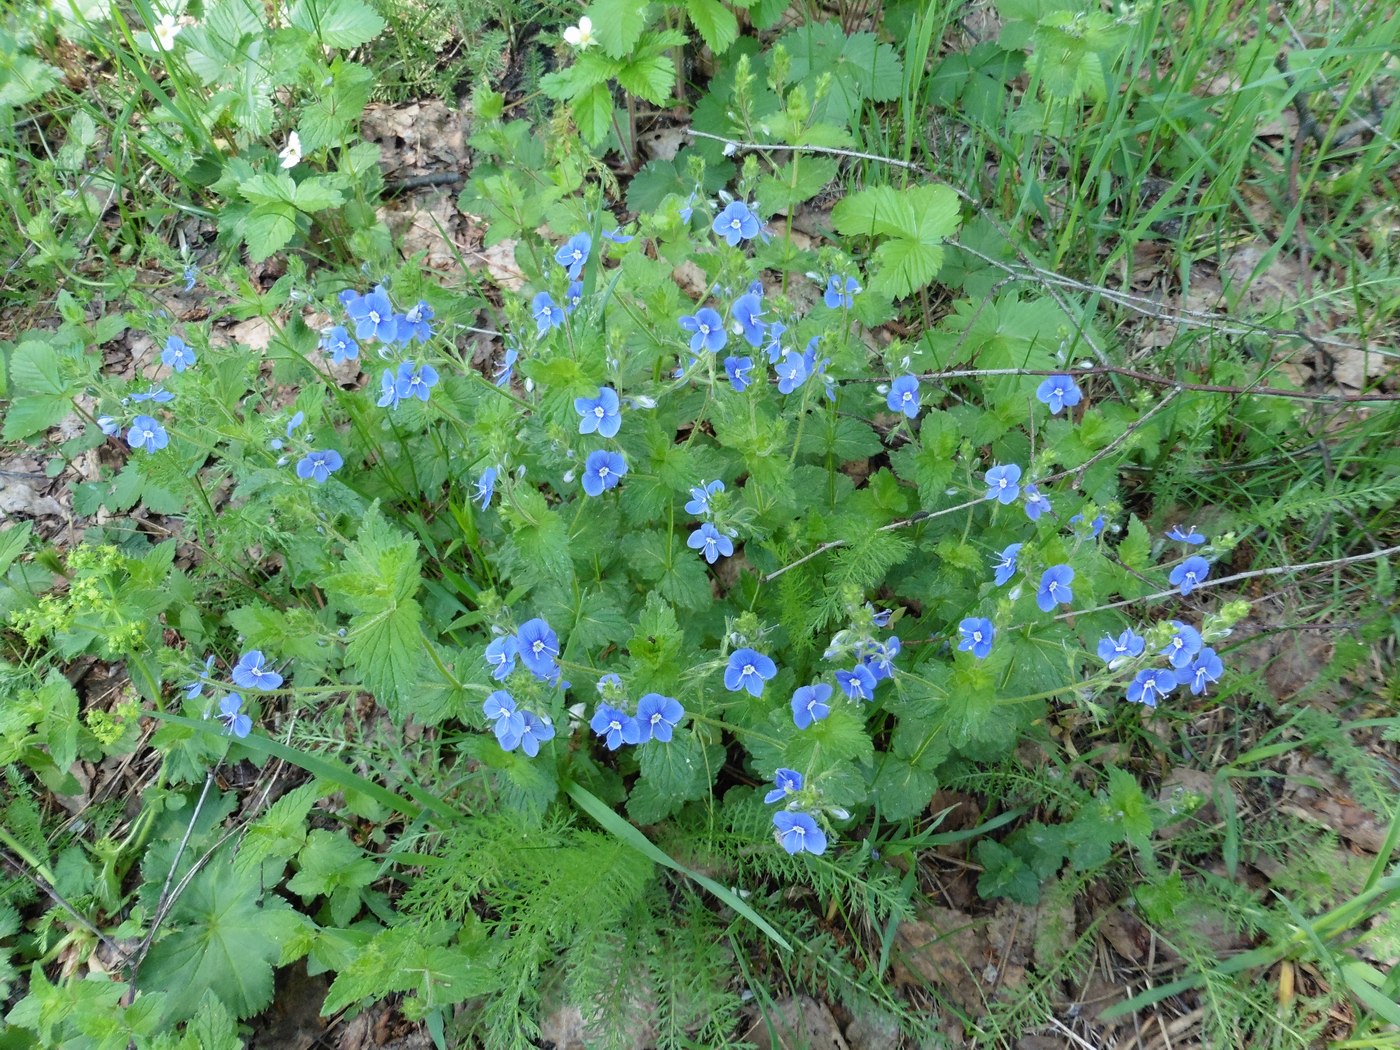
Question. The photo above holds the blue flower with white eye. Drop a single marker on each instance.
(1149, 686)
(537, 730)
(977, 636)
(507, 366)
(857, 683)
(252, 672)
(707, 330)
(413, 326)
(1190, 536)
(700, 497)
(1059, 393)
(1055, 587)
(657, 717)
(319, 465)
(710, 542)
(736, 223)
(500, 656)
(1095, 526)
(538, 646)
(904, 396)
(811, 703)
(1184, 644)
(602, 470)
(178, 354)
(799, 833)
(573, 254)
(236, 723)
(792, 372)
(109, 426)
(1036, 504)
(774, 349)
(1190, 574)
(840, 296)
(415, 380)
(1005, 568)
(146, 433)
(373, 315)
(1203, 671)
(573, 296)
(737, 370)
(747, 313)
(615, 726)
(879, 658)
(507, 719)
(195, 689)
(1003, 483)
(599, 414)
(156, 394)
(748, 670)
(546, 312)
(485, 487)
(785, 782)
(388, 390)
(1125, 647)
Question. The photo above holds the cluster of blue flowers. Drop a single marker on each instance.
(375, 319)
(656, 719)
(1190, 662)
(711, 539)
(796, 830)
(144, 431)
(536, 646)
(251, 672)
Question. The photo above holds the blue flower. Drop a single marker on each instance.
(1185, 643)
(657, 716)
(1126, 646)
(738, 369)
(838, 296)
(337, 342)
(708, 328)
(156, 394)
(177, 354)
(415, 380)
(109, 426)
(617, 236)
(857, 683)
(688, 208)
(388, 390)
(977, 637)
(373, 315)
(1003, 483)
(485, 487)
(710, 542)
(1036, 504)
(507, 368)
(319, 466)
(509, 721)
(538, 646)
(1095, 526)
(195, 689)
(1055, 587)
(231, 714)
(602, 470)
(297, 420)
(736, 223)
(880, 617)
(811, 704)
(599, 414)
(792, 372)
(191, 276)
(615, 726)
(573, 295)
(413, 326)
(146, 433)
(700, 497)
(904, 396)
(1204, 670)
(799, 833)
(573, 254)
(537, 730)
(252, 672)
(1059, 392)
(747, 310)
(1150, 686)
(1190, 536)
(774, 349)
(1006, 567)
(879, 660)
(748, 669)
(500, 655)
(546, 312)
(785, 782)
(1190, 574)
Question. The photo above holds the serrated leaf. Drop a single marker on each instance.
(715, 23)
(916, 221)
(902, 789)
(34, 368)
(1136, 546)
(316, 194)
(12, 543)
(593, 113)
(385, 647)
(226, 937)
(280, 833)
(27, 416)
(618, 24)
(650, 78)
(409, 959)
(268, 229)
(337, 23)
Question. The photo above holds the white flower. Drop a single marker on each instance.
(581, 36)
(165, 32)
(291, 155)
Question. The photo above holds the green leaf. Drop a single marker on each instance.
(34, 367)
(316, 194)
(410, 959)
(279, 833)
(268, 188)
(337, 23)
(1004, 874)
(333, 866)
(903, 788)
(715, 23)
(916, 221)
(1136, 546)
(59, 703)
(12, 543)
(24, 79)
(593, 113)
(27, 416)
(618, 24)
(675, 772)
(650, 78)
(227, 934)
(268, 229)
